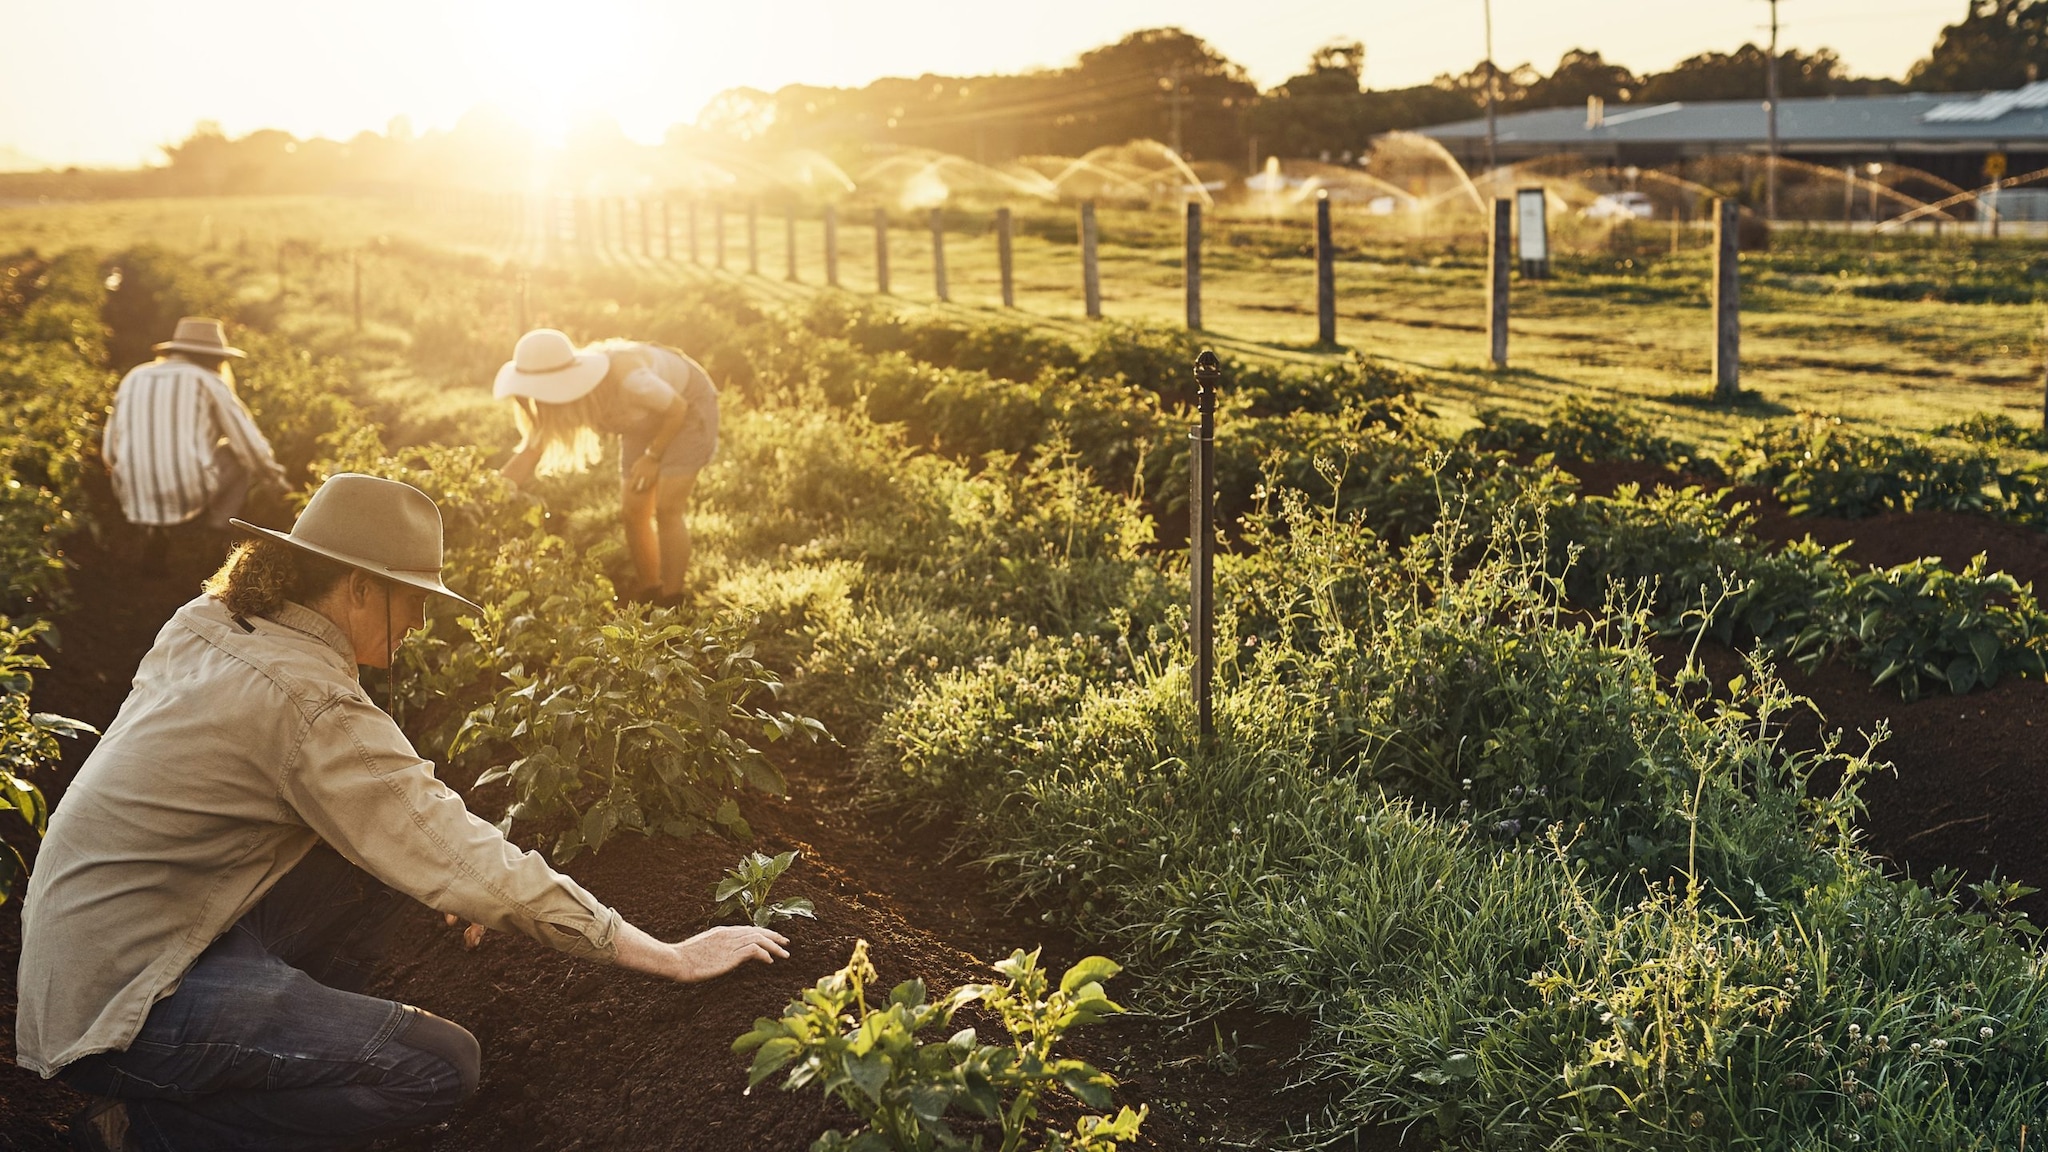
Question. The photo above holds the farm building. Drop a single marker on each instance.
(1956, 140)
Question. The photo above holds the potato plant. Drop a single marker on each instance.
(745, 888)
(635, 723)
(907, 1090)
(28, 741)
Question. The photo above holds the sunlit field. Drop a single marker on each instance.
(1830, 319)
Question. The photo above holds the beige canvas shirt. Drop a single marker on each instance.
(234, 754)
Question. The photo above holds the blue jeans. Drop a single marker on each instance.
(267, 1044)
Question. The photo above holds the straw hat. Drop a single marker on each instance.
(207, 337)
(546, 367)
(381, 526)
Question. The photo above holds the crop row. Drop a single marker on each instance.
(1526, 889)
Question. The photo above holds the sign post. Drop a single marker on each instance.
(1532, 240)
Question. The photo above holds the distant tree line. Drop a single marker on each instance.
(1157, 83)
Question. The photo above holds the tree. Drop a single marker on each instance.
(1997, 44)
(1320, 110)
(1580, 74)
(1739, 75)
(1212, 92)
(1509, 84)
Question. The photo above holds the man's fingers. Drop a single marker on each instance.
(473, 935)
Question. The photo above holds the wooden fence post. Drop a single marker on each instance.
(789, 240)
(690, 221)
(939, 256)
(1727, 301)
(1202, 535)
(1091, 277)
(753, 238)
(882, 251)
(1005, 259)
(718, 234)
(1191, 266)
(832, 245)
(1326, 275)
(1500, 251)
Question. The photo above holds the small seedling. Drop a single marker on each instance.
(745, 891)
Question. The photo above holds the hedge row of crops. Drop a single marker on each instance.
(1528, 891)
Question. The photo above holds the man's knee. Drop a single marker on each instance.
(451, 1044)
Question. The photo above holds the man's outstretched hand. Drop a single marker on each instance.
(710, 953)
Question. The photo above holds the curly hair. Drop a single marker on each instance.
(261, 574)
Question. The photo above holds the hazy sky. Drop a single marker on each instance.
(97, 81)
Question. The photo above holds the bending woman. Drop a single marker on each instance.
(659, 402)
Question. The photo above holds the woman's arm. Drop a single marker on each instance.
(519, 469)
(647, 469)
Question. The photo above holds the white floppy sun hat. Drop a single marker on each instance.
(546, 367)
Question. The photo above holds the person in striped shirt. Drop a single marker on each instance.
(180, 444)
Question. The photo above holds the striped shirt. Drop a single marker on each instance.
(171, 418)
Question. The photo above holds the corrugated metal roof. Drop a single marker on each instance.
(1996, 118)
(1989, 106)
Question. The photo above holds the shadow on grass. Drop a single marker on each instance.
(1747, 402)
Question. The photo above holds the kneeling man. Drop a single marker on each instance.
(223, 874)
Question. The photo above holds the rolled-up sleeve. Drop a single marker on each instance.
(232, 418)
(359, 784)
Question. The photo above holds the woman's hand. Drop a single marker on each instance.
(646, 472)
(520, 468)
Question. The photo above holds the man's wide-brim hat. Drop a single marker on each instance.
(200, 334)
(546, 367)
(381, 526)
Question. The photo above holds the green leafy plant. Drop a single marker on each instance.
(1996, 429)
(1821, 467)
(634, 723)
(745, 891)
(1919, 623)
(904, 1089)
(28, 741)
(1579, 429)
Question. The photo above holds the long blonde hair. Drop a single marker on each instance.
(568, 434)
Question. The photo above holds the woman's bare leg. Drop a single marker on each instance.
(672, 498)
(636, 513)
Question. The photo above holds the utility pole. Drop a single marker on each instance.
(1771, 122)
(1173, 104)
(1492, 76)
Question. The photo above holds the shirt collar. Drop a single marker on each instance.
(300, 618)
